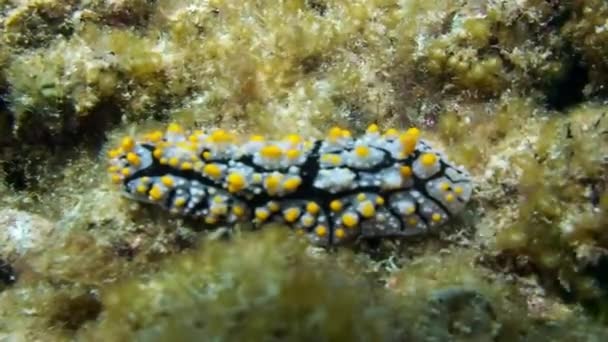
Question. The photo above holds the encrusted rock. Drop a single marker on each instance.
(21, 232)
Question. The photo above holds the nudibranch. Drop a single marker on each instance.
(334, 190)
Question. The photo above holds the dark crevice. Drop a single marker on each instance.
(318, 6)
(72, 313)
(73, 129)
(26, 151)
(311, 63)
(15, 174)
(599, 273)
(7, 119)
(568, 90)
(8, 276)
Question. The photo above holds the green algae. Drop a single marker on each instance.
(560, 218)
(588, 32)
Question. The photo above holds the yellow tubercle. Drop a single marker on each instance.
(292, 154)
(113, 168)
(458, 190)
(332, 158)
(412, 221)
(173, 161)
(428, 159)
(167, 181)
(334, 134)
(272, 182)
(212, 170)
(379, 200)
(193, 138)
(444, 186)
(408, 144)
(291, 214)
(449, 198)
(207, 155)
(391, 133)
(116, 178)
(321, 230)
(186, 145)
(367, 209)
(125, 171)
(312, 208)
(405, 171)
(271, 152)
(436, 217)
(373, 128)
(257, 138)
(308, 220)
(413, 132)
(350, 220)
(292, 183)
(340, 233)
(293, 139)
(155, 193)
(179, 201)
(115, 153)
(238, 210)
(158, 152)
(155, 136)
(174, 128)
(142, 189)
(210, 220)
(221, 136)
(133, 159)
(218, 209)
(257, 178)
(127, 144)
(187, 166)
(262, 214)
(236, 182)
(274, 206)
(362, 151)
(335, 205)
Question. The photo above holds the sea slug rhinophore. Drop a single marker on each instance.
(381, 184)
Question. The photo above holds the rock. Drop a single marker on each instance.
(21, 232)
(460, 314)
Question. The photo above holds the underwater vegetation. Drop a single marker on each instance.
(514, 91)
(562, 212)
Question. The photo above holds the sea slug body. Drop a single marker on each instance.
(336, 189)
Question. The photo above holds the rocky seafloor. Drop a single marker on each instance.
(516, 91)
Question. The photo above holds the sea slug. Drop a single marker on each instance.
(335, 190)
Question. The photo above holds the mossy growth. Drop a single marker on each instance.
(487, 48)
(37, 23)
(79, 87)
(260, 287)
(561, 213)
(466, 302)
(472, 132)
(587, 30)
(267, 285)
